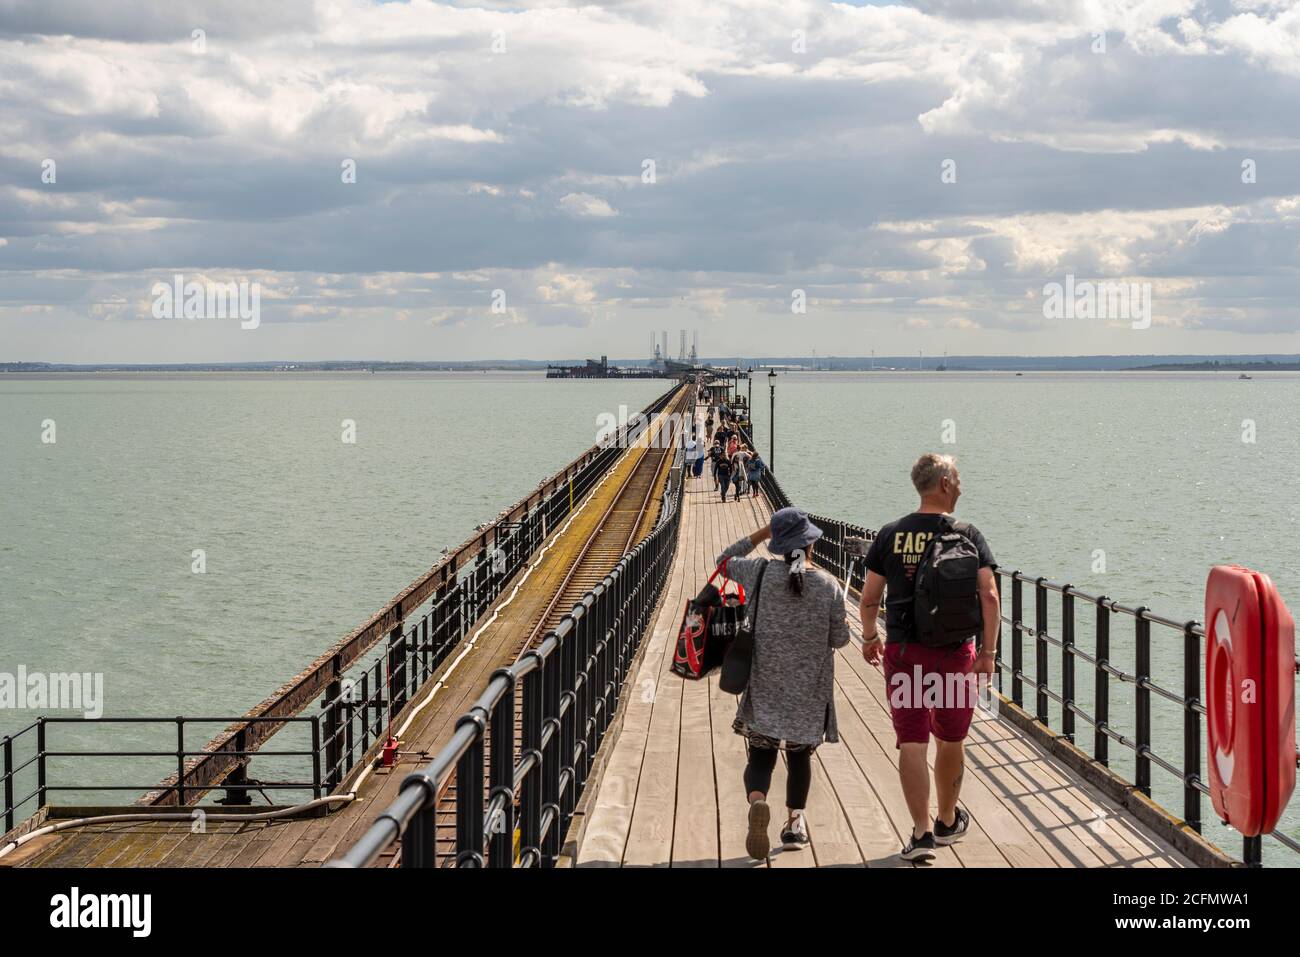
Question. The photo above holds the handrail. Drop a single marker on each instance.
(831, 553)
(328, 668)
(1141, 678)
(453, 594)
(570, 685)
(43, 753)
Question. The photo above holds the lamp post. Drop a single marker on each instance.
(771, 420)
(749, 404)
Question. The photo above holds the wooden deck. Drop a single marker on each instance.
(670, 792)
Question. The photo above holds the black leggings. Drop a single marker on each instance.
(798, 766)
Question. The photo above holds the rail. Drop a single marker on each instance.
(423, 624)
(831, 552)
(1187, 700)
(44, 754)
(568, 687)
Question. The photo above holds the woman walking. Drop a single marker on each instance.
(755, 472)
(788, 705)
(739, 470)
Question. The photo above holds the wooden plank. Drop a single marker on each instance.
(656, 691)
(77, 847)
(253, 851)
(163, 847)
(729, 770)
(829, 829)
(993, 825)
(1071, 839)
(650, 831)
(131, 843)
(877, 838)
(695, 828)
(874, 766)
(1085, 812)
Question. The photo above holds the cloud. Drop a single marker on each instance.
(504, 147)
(584, 204)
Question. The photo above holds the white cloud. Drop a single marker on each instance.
(776, 169)
(584, 204)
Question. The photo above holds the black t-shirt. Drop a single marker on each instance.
(895, 554)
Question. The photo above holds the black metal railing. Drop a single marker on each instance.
(357, 705)
(831, 552)
(1100, 662)
(46, 751)
(358, 708)
(567, 689)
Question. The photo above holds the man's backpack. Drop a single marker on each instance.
(946, 603)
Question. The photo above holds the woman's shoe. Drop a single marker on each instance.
(757, 842)
(794, 836)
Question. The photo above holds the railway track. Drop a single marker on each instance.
(629, 516)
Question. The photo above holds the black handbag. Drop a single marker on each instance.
(736, 665)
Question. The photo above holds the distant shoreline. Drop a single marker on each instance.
(963, 364)
(470, 374)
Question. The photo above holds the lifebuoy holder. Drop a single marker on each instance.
(1249, 698)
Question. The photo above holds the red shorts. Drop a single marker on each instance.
(930, 690)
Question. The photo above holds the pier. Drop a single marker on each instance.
(513, 707)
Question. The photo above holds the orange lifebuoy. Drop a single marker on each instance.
(1249, 698)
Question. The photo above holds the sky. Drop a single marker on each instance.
(426, 181)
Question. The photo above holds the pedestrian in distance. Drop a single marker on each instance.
(715, 460)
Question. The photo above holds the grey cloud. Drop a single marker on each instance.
(153, 20)
(770, 180)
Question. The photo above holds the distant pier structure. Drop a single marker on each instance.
(660, 365)
(601, 369)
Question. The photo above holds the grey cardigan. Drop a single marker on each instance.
(792, 678)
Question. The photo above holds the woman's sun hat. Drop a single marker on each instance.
(791, 529)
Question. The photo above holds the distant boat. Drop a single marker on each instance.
(1019, 373)
(1244, 376)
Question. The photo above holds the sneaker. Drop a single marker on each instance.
(757, 842)
(795, 833)
(919, 848)
(944, 835)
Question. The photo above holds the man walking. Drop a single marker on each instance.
(949, 565)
